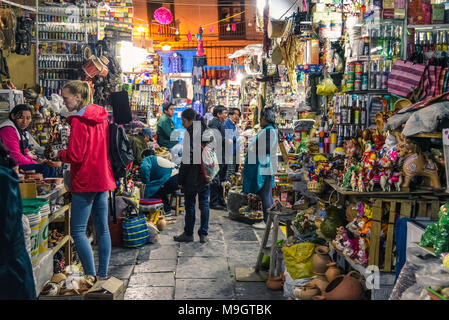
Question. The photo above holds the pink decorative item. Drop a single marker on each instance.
(189, 36)
(234, 27)
(163, 15)
(211, 29)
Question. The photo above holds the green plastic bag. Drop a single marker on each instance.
(298, 259)
(429, 236)
(436, 235)
(330, 224)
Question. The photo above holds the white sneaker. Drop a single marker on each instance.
(259, 225)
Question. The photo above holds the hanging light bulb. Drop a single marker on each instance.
(228, 28)
(177, 32)
(250, 24)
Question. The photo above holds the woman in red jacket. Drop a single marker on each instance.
(90, 174)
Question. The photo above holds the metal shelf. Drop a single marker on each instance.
(428, 26)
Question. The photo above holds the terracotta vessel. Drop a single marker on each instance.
(308, 292)
(275, 283)
(320, 281)
(320, 259)
(319, 298)
(344, 287)
(332, 271)
(161, 223)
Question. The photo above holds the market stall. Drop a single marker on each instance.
(361, 103)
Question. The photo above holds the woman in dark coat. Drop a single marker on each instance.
(190, 176)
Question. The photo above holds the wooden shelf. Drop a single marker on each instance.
(57, 192)
(435, 135)
(61, 243)
(331, 183)
(59, 213)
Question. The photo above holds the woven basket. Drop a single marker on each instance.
(315, 186)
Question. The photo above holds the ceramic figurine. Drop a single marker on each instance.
(353, 181)
(415, 164)
(373, 181)
(384, 184)
(396, 180)
(360, 183)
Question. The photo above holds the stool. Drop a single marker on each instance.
(152, 208)
(178, 196)
(274, 217)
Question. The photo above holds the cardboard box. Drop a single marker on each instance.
(111, 289)
(28, 190)
(388, 14)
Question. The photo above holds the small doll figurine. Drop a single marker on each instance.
(360, 183)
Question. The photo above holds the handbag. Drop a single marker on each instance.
(135, 230)
(405, 78)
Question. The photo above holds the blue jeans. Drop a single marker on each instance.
(46, 171)
(266, 194)
(82, 205)
(190, 202)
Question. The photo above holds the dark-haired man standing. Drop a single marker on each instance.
(217, 201)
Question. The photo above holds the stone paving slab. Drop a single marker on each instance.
(197, 249)
(155, 266)
(203, 289)
(121, 272)
(120, 256)
(150, 293)
(165, 253)
(152, 280)
(256, 291)
(238, 235)
(202, 268)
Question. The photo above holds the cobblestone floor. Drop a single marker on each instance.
(170, 270)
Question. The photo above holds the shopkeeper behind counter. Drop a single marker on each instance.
(17, 140)
(165, 127)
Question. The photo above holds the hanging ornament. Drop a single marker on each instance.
(234, 27)
(250, 24)
(228, 28)
(160, 30)
(177, 32)
(211, 29)
(189, 36)
(163, 15)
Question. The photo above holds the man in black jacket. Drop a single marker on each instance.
(217, 201)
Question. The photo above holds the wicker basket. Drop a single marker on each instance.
(315, 186)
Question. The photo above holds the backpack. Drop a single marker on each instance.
(120, 150)
(209, 163)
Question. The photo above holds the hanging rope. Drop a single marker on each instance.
(235, 15)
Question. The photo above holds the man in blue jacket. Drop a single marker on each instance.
(160, 177)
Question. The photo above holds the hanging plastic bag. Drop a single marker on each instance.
(326, 87)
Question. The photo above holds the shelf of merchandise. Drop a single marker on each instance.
(337, 188)
(428, 26)
(61, 243)
(58, 213)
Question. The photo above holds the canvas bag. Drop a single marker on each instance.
(405, 78)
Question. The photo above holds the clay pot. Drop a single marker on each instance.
(320, 259)
(319, 298)
(161, 223)
(320, 281)
(309, 291)
(344, 287)
(332, 271)
(275, 283)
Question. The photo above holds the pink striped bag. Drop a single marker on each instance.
(405, 78)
